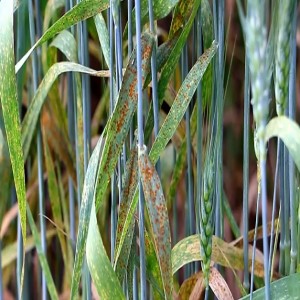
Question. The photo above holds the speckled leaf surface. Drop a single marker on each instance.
(119, 124)
(103, 275)
(188, 16)
(172, 121)
(161, 8)
(85, 209)
(289, 132)
(181, 102)
(82, 11)
(285, 288)
(5, 169)
(129, 186)
(159, 220)
(152, 268)
(224, 254)
(66, 43)
(34, 109)
(218, 285)
(10, 108)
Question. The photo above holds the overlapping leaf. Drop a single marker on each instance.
(224, 254)
(289, 132)
(10, 109)
(170, 124)
(83, 10)
(159, 220)
(116, 131)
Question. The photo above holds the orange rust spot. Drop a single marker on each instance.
(147, 52)
(132, 88)
(122, 117)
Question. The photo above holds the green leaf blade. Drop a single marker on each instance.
(158, 214)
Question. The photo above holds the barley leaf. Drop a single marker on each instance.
(289, 132)
(10, 109)
(34, 109)
(224, 254)
(116, 129)
(42, 258)
(169, 126)
(102, 273)
(282, 289)
(159, 220)
(86, 206)
(129, 185)
(119, 124)
(181, 102)
(82, 11)
(9, 253)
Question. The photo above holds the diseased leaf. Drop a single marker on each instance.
(181, 102)
(87, 202)
(129, 184)
(119, 123)
(102, 273)
(170, 124)
(188, 15)
(224, 254)
(82, 11)
(159, 220)
(218, 285)
(116, 132)
(34, 109)
(10, 110)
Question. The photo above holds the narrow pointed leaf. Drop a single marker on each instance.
(159, 220)
(129, 185)
(86, 206)
(101, 270)
(181, 102)
(224, 254)
(42, 258)
(34, 109)
(82, 11)
(119, 124)
(170, 124)
(10, 109)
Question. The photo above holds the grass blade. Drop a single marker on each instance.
(171, 122)
(31, 117)
(284, 288)
(86, 205)
(102, 273)
(82, 11)
(224, 254)
(158, 214)
(10, 110)
(289, 132)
